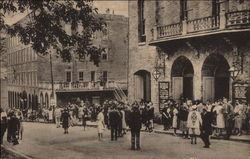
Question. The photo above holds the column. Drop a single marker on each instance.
(197, 83)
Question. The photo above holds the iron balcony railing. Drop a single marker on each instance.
(236, 19)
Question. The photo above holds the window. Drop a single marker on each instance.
(68, 76)
(92, 75)
(215, 8)
(80, 76)
(105, 54)
(105, 76)
(141, 21)
(183, 9)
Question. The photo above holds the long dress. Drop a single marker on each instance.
(220, 121)
(100, 122)
(65, 120)
(174, 124)
(239, 111)
(124, 126)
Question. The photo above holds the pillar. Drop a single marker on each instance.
(197, 84)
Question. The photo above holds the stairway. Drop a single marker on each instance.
(119, 94)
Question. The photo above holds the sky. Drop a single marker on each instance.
(119, 8)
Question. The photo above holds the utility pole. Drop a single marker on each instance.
(52, 79)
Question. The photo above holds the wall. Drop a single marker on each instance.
(142, 56)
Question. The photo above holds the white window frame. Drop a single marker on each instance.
(79, 76)
(68, 70)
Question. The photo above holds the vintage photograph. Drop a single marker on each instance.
(125, 79)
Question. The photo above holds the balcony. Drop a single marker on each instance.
(226, 22)
(83, 86)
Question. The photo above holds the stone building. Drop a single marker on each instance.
(185, 49)
(29, 74)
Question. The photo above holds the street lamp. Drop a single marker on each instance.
(156, 73)
(234, 72)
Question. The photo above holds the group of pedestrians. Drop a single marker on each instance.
(195, 118)
(11, 121)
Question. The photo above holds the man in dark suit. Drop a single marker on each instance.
(114, 121)
(135, 121)
(13, 128)
(206, 128)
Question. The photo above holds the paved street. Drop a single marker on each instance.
(45, 141)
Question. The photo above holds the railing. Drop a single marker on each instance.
(203, 24)
(169, 30)
(238, 18)
(86, 85)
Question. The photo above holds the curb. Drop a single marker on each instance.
(214, 138)
(15, 153)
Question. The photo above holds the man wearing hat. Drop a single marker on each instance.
(135, 120)
(13, 128)
(114, 121)
(206, 128)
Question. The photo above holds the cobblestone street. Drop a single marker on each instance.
(46, 141)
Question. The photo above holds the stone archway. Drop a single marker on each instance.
(29, 102)
(142, 80)
(41, 100)
(46, 100)
(182, 73)
(215, 78)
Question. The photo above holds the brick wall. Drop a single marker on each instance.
(142, 56)
(116, 65)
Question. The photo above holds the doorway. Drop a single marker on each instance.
(182, 73)
(142, 80)
(215, 77)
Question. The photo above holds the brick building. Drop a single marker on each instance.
(188, 49)
(29, 75)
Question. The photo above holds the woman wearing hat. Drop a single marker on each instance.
(193, 123)
(65, 120)
(100, 123)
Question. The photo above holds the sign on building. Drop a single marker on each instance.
(163, 94)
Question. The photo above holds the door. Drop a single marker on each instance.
(177, 87)
(208, 89)
(139, 87)
(221, 87)
(188, 88)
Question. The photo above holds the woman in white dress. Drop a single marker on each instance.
(175, 118)
(124, 125)
(220, 121)
(100, 124)
(239, 116)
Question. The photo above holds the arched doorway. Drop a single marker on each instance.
(215, 78)
(29, 102)
(142, 81)
(19, 100)
(41, 100)
(25, 98)
(182, 73)
(46, 100)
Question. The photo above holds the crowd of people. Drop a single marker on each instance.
(223, 118)
(12, 123)
(192, 118)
